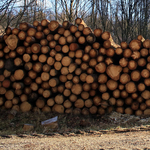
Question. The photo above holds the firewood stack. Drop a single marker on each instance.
(71, 69)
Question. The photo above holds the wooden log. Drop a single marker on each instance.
(12, 41)
(102, 78)
(134, 95)
(76, 79)
(50, 102)
(15, 31)
(136, 55)
(130, 87)
(8, 104)
(135, 106)
(145, 94)
(52, 44)
(116, 93)
(84, 66)
(22, 35)
(132, 65)
(101, 111)
(113, 71)
(112, 101)
(73, 46)
(67, 92)
(67, 33)
(86, 87)
(141, 62)
(105, 96)
(40, 103)
(138, 112)
(124, 78)
(46, 68)
(23, 97)
(123, 62)
(112, 85)
(71, 54)
(59, 99)
(88, 103)
(46, 31)
(146, 43)
(63, 78)
(45, 76)
(91, 78)
(34, 86)
(148, 66)
(87, 49)
(66, 24)
(67, 104)
(73, 28)
(135, 75)
(140, 38)
(27, 81)
(87, 31)
(124, 94)
(98, 32)
(50, 61)
(62, 40)
(19, 74)
(69, 76)
(61, 88)
(80, 27)
(124, 45)
(93, 110)
(143, 106)
(76, 89)
(57, 65)
(78, 33)
(66, 61)
(46, 93)
(53, 82)
(100, 68)
(9, 94)
(145, 73)
(135, 45)
(79, 103)
(144, 52)
(128, 110)
(38, 80)
(28, 66)
(108, 61)
(97, 100)
(70, 39)
(91, 38)
(127, 53)
(79, 53)
(53, 25)
(102, 88)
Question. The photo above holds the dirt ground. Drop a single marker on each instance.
(121, 141)
(111, 131)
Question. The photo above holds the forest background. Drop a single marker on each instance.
(124, 19)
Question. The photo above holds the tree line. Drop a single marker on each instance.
(125, 19)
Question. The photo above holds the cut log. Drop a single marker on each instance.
(113, 71)
(135, 45)
(12, 41)
(112, 85)
(130, 87)
(79, 103)
(76, 89)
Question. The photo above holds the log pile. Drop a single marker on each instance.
(71, 69)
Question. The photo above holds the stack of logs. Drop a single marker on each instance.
(71, 69)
